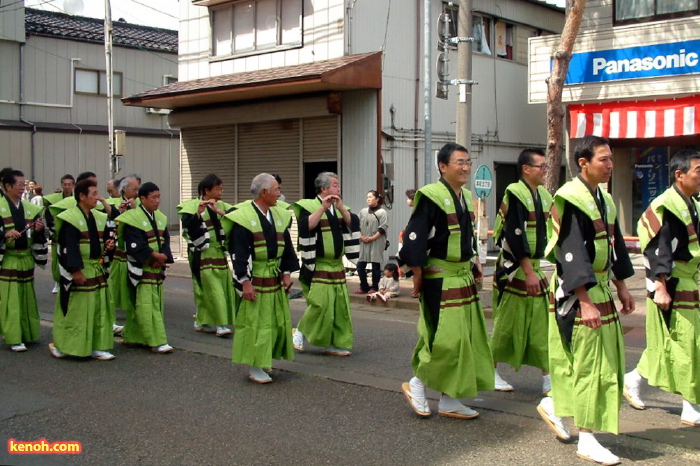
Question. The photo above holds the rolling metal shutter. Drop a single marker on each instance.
(205, 151)
(321, 142)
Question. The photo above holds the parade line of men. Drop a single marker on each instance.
(567, 326)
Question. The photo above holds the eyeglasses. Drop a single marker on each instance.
(462, 163)
(542, 166)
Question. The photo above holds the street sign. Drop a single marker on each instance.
(483, 182)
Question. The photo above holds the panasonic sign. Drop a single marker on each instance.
(648, 61)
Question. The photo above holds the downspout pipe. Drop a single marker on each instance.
(32, 167)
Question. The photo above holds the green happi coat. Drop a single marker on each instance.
(49, 200)
(587, 365)
(452, 354)
(263, 326)
(118, 276)
(521, 321)
(144, 317)
(214, 295)
(326, 321)
(671, 360)
(19, 315)
(83, 314)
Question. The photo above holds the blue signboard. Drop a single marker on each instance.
(652, 169)
(646, 61)
(483, 182)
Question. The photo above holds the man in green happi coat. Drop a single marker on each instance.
(144, 233)
(586, 349)
(83, 314)
(668, 235)
(23, 246)
(263, 258)
(452, 355)
(522, 291)
(207, 234)
(327, 231)
(67, 185)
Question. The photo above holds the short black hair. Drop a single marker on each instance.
(9, 175)
(277, 178)
(84, 176)
(527, 156)
(445, 154)
(83, 187)
(681, 161)
(147, 188)
(410, 193)
(586, 148)
(68, 176)
(208, 183)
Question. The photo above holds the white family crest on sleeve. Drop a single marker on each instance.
(133, 245)
(518, 231)
(447, 202)
(569, 257)
(412, 236)
(253, 223)
(145, 223)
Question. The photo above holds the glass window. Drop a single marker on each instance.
(633, 11)
(266, 24)
(291, 23)
(86, 81)
(221, 31)
(482, 31)
(253, 25)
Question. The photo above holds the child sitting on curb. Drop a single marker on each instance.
(388, 286)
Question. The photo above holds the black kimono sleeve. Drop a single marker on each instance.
(289, 262)
(240, 247)
(414, 252)
(196, 230)
(515, 231)
(69, 242)
(574, 265)
(165, 248)
(136, 243)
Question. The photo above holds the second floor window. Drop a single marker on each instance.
(255, 26)
(634, 11)
(95, 82)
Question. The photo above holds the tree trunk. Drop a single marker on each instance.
(555, 88)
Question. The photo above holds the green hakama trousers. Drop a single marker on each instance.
(87, 324)
(264, 326)
(588, 375)
(145, 324)
(327, 321)
(19, 314)
(521, 324)
(455, 357)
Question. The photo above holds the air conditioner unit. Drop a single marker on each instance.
(157, 111)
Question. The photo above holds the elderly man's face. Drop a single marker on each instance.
(132, 189)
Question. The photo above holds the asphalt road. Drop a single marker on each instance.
(195, 407)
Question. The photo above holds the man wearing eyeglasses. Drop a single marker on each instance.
(452, 355)
(521, 297)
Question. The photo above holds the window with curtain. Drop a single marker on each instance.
(632, 11)
(256, 26)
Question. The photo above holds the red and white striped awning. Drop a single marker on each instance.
(632, 120)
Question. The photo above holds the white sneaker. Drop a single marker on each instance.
(414, 391)
(546, 384)
(162, 349)
(258, 375)
(555, 423)
(55, 352)
(631, 390)
(591, 450)
(691, 414)
(18, 348)
(222, 331)
(500, 384)
(450, 407)
(117, 329)
(102, 355)
(333, 351)
(55, 288)
(297, 339)
(204, 328)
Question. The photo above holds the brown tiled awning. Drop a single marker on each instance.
(339, 74)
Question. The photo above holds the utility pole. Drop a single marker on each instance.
(427, 91)
(463, 130)
(110, 90)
